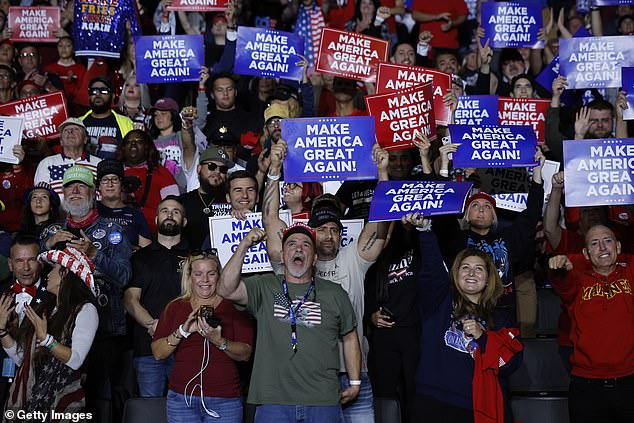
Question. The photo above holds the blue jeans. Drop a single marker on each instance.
(229, 409)
(275, 413)
(361, 410)
(152, 375)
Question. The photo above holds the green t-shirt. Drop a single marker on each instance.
(310, 375)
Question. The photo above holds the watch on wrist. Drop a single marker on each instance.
(224, 345)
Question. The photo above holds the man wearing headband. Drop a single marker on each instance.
(300, 320)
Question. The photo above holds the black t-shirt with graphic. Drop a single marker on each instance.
(104, 134)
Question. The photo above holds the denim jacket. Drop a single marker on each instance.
(113, 271)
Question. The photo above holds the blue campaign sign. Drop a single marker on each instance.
(627, 79)
(168, 58)
(269, 53)
(550, 72)
(512, 24)
(612, 2)
(476, 110)
(493, 145)
(394, 199)
(599, 172)
(595, 62)
(329, 149)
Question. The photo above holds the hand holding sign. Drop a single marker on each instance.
(415, 220)
(381, 158)
(278, 154)
(445, 151)
(537, 170)
(620, 105)
(559, 85)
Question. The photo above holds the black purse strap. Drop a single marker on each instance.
(146, 191)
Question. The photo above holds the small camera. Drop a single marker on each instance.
(207, 313)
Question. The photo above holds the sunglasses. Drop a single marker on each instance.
(203, 253)
(99, 90)
(212, 166)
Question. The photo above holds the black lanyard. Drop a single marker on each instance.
(292, 313)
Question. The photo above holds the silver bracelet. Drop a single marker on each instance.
(354, 382)
(183, 332)
(273, 177)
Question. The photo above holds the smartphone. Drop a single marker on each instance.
(388, 313)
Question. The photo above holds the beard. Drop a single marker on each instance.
(100, 108)
(169, 228)
(77, 211)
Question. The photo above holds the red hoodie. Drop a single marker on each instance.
(601, 310)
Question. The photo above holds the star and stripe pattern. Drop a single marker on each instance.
(308, 315)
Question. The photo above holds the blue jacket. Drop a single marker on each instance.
(112, 267)
(445, 370)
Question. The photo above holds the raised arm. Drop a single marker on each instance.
(273, 225)
(230, 285)
(372, 237)
(621, 125)
(552, 212)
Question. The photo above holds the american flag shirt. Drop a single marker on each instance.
(51, 170)
(308, 315)
(310, 22)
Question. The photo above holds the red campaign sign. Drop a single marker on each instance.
(199, 5)
(524, 111)
(399, 117)
(351, 55)
(42, 114)
(34, 24)
(391, 78)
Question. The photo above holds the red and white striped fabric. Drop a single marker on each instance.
(75, 261)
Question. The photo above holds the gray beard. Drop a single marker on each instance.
(77, 211)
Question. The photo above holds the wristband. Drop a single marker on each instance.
(4, 333)
(46, 342)
(424, 228)
(443, 172)
(183, 332)
(273, 177)
(594, 8)
(378, 20)
(354, 382)
(232, 28)
(53, 345)
(202, 89)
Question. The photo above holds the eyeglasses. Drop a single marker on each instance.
(203, 253)
(274, 122)
(115, 180)
(222, 168)
(292, 185)
(98, 90)
(28, 54)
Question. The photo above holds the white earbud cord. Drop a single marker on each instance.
(203, 365)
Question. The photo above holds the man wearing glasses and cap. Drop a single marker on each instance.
(73, 139)
(213, 166)
(105, 127)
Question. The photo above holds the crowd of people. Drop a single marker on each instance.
(112, 288)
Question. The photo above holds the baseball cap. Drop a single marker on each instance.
(482, 195)
(299, 228)
(217, 154)
(109, 167)
(164, 104)
(79, 173)
(45, 186)
(323, 215)
(72, 121)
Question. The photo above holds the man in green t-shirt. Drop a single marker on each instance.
(300, 320)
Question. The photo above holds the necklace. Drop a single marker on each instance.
(206, 210)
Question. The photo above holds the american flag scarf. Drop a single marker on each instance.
(309, 25)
